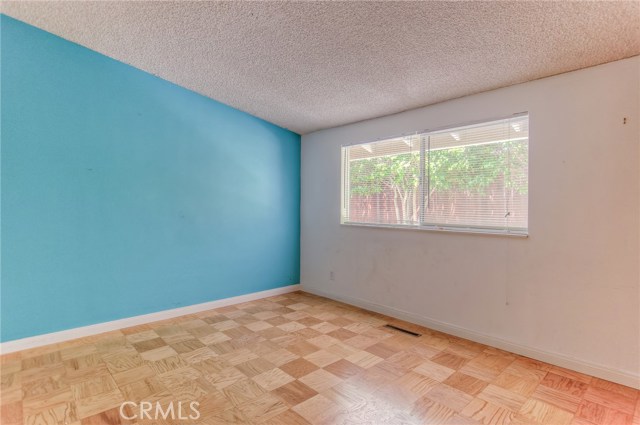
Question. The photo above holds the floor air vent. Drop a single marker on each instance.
(402, 330)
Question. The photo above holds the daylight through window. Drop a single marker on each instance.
(472, 178)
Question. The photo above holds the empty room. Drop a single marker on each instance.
(320, 212)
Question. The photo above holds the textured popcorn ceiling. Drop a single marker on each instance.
(313, 65)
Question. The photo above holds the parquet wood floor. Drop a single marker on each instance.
(299, 359)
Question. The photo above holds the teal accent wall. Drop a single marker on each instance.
(124, 194)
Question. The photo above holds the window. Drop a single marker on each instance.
(470, 178)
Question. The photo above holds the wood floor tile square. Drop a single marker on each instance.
(466, 383)
(272, 379)
(382, 350)
(452, 361)
(302, 348)
(317, 410)
(344, 369)
(502, 397)
(294, 393)
(320, 380)
(322, 358)
(434, 371)
(299, 367)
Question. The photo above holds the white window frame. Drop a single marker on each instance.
(483, 230)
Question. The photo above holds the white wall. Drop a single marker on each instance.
(570, 293)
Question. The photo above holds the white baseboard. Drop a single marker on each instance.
(98, 328)
(621, 377)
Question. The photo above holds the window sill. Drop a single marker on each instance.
(443, 229)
